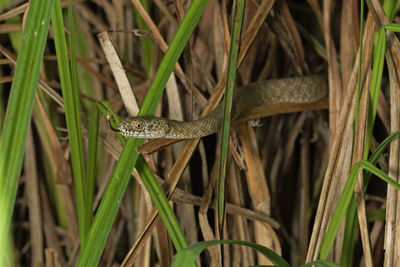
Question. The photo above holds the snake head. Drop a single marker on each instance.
(143, 127)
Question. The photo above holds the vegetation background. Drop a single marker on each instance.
(70, 194)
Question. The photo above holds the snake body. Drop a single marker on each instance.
(302, 90)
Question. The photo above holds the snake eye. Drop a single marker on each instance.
(138, 124)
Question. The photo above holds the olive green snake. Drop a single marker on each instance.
(302, 90)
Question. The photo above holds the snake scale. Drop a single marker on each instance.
(302, 90)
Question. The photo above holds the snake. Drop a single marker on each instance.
(296, 90)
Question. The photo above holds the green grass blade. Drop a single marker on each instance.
(72, 115)
(351, 227)
(19, 111)
(88, 186)
(93, 142)
(339, 213)
(226, 121)
(394, 27)
(350, 234)
(375, 86)
(347, 195)
(187, 256)
(105, 216)
(109, 205)
(344, 202)
(161, 203)
(374, 170)
(381, 148)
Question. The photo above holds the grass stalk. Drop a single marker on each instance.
(73, 118)
(19, 111)
(226, 120)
